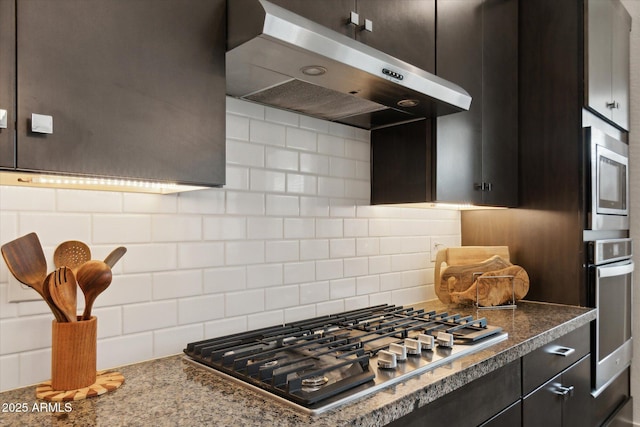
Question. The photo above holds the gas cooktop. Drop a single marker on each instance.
(323, 362)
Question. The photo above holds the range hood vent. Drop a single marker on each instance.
(279, 58)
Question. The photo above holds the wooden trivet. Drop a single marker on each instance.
(106, 381)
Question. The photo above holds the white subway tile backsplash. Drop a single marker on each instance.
(121, 229)
(27, 199)
(35, 365)
(282, 205)
(245, 154)
(265, 319)
(173, 340)
(314, 292)
(237, 127)
(291, 236)
(149, 316)
(266, 133)
(331, 144)
(281, 159)
(264, 228)
(282, 250)
(227, 326)
(224, 228)
(175, 228)
(314, 249)
(301, 184)
(301, 139)
(282, 297)
(225, 279)
(14, 337)
(314, 163)
(245, 302)
(200, 309)
(242, 203)
(267, 180)
(124, 350)
(299, 272)
(245, 252)
(264, 275)
(177, 284)
(10, 372)
(150, 203)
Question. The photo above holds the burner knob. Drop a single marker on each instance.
(386, 360)
(413, 347)
(426, 341)
(445, 339)
(399, 350)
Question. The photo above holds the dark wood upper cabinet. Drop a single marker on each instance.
(135, 89)
(467, 157)
(404, 29)
(607, 60)
(7, 83)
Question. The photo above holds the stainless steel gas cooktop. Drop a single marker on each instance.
(321, 363)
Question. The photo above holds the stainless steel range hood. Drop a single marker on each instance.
(279, 58)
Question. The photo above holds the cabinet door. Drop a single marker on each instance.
(620, 65)
(500, 103)
(608, 27)
(403, 29)
(333, 14)
(135, 88)
(7, 82)
(578, 406)
(459, 136)
(543, 407)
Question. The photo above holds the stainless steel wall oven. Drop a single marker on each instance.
(611, 293)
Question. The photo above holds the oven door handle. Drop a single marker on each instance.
(615, 270)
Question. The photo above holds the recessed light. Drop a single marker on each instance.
(313, 70)
(408, 102)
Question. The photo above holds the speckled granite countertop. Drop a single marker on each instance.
(173, 392)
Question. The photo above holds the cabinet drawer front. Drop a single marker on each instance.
(547, 361)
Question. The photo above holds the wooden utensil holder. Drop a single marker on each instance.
(73, 354)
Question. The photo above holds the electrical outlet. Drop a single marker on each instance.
(18, 292)
(441, 242)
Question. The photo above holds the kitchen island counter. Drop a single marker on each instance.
(173, 391)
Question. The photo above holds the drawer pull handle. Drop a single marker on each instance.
(565, 392)
(562, 351)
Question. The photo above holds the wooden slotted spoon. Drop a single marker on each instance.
(63, 288)
(72, 254)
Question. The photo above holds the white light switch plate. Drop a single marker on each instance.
(18, 292)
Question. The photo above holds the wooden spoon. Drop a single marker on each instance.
(72, 254)
(63, 289)
(115, 256)
(93, 278)
(26, 261)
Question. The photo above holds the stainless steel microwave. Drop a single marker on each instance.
(608, 181)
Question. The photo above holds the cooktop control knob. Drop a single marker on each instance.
(414, 348)
(399, 350)
(445, 339)
(387, 360)
(426, 341)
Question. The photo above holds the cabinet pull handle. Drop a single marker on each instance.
(368, 25)
(612, 105)
(561, 351)
(41, 123)
(565, 392)
(3, 119)
(354, 19)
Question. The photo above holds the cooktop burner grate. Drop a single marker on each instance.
(321, 362)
